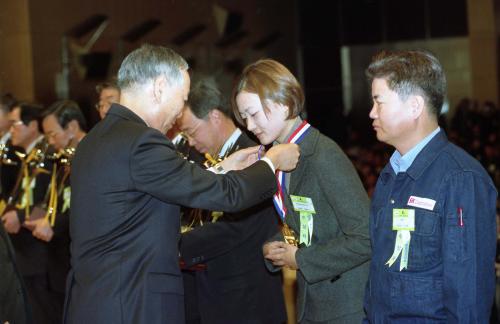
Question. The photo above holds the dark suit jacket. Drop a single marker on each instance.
(58, 247)
(236, 286)
(14, 305)
(127, 184)
(333, 270)
(8, 172)
(31, 253)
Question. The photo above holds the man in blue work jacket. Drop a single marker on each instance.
(432, 217)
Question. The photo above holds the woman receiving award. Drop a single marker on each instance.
(322, 203)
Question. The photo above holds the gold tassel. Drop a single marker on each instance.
(52, 206)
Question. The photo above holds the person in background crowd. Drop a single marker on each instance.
(29, 192)
(108, 93)
(322, 202)
(64, 127)
(9, 162)
(432, 217)
(14, 305)
(7, 101)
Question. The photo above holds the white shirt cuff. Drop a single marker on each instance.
(268, 161)
(217, 169)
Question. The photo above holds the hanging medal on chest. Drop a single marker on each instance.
(278, 199)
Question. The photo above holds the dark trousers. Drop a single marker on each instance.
(190, 298)
(46, 305)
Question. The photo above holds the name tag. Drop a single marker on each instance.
(66, 199)
(302, 204)
(305, 207)
(403, 219)
(420, 202)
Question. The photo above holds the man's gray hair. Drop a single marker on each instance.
(149, 62)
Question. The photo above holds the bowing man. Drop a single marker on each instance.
(228, 290)
(63, 125)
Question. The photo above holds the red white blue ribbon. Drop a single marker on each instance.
(278, 199)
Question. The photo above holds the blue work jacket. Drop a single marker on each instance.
(450, 275)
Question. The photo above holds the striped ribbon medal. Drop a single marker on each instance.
(278, 199)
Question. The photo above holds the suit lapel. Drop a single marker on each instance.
(242, 142)
(307, 146)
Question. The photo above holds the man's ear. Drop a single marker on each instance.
(33, 126)
(160, 86)
(215, 116)
(73, 126)
(417, 105)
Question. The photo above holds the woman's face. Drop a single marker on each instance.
(267, 127)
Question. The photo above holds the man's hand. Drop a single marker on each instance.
(280, 254)
(41, 229)
(11, 222)
(240, 159)
(284, 156)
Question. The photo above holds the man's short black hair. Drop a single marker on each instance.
(66, 111)
(111, 84)
(29, 112)
(7, 101)
(206, 96)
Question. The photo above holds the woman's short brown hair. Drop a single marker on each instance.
(270, 80)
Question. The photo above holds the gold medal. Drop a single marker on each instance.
(289, 235)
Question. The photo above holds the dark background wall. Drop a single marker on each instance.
(252, 29)
(305, 35)
(326, 26)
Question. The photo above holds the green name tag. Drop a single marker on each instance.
(66, 198)
(306, 228)
(302, 204)
(403, 219)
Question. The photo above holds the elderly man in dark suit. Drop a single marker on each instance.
(127, 185)
(228, 290)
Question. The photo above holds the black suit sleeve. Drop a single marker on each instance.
(211, 240)
(61, 226)
(159, 171)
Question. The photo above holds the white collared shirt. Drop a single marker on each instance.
(5, 137)
(230, 142)
(33, 144)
